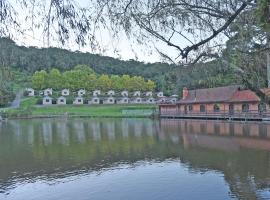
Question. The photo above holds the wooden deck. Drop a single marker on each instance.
(240, 116)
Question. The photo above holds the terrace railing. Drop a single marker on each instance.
(251, 114)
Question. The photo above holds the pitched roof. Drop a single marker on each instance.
(218, 94)
(222, 94)
(244, 96)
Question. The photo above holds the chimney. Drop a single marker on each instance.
(185, 93)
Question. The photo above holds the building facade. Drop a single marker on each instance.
(221, 100)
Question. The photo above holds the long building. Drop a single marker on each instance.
(219, 101)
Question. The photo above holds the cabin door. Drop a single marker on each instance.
(185, 109)
(231, 109)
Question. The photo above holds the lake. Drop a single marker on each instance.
(134, 159)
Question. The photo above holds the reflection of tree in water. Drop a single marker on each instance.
(246, 171)
(60, 148)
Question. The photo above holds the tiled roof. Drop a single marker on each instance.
(218, 94)
(222, 94)
(244, 96)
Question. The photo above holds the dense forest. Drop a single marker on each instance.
(83, 77)
(168, 77)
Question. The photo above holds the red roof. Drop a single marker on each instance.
(244, 96)
(220, 94)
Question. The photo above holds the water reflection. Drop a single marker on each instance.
(55, 149)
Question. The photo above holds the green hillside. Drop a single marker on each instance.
(168, 78)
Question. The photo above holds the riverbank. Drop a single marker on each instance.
(29, 109)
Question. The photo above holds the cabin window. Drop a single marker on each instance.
(125, 100)
(138, 100)
(190, 107)
(216, 108)
(47, 100)
(79, 100)
(245, 107)
(202, 108)
(111, 100)
(95, 100)
(62, 100)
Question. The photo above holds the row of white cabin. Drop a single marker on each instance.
(47, 100)
(95, 93)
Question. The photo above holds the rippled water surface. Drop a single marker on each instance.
(134, 159)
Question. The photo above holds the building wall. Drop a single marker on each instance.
(209, 108)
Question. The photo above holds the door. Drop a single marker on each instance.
(185, 109)
(231, 109)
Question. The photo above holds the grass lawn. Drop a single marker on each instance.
(28, 108)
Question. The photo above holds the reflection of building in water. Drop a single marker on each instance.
(96, 130)
(79, 130)
(62, 132)
(47, 132)
(218, 135)
(138, 129)
(124, 125)
(30, 134)
(110, 130)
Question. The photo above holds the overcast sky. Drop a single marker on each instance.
(121, 48)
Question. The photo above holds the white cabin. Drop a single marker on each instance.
(137, 93)
(96, 93)
(124, 93)
(149, 94)
(47, 100)
(109, 100)
(78, 101)
(30, 91)
(110, 93)
(81, 92)
(94, 100)
(123, 100)
(65, 92)
(61, 100)
(160, 94)
(48, 92)
(150, 100)
(137, 100)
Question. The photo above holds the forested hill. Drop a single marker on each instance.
(168, 78)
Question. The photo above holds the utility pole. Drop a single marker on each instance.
(268, 59)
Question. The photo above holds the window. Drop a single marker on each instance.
(47, 100)
(190, 108)
(245, 107)
(79, 100)
(125, 100)
(95, 100)
(111, 100)
(216, 108)
(62, 100)
(202, 108)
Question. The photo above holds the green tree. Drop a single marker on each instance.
(104, 82)
(150, 85)
(117, 83)
(91, 83)
(39, 80)
(55, 79)
(126, 80)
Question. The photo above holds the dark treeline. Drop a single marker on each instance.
(168, 78)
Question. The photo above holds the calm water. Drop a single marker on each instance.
(134, 159)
